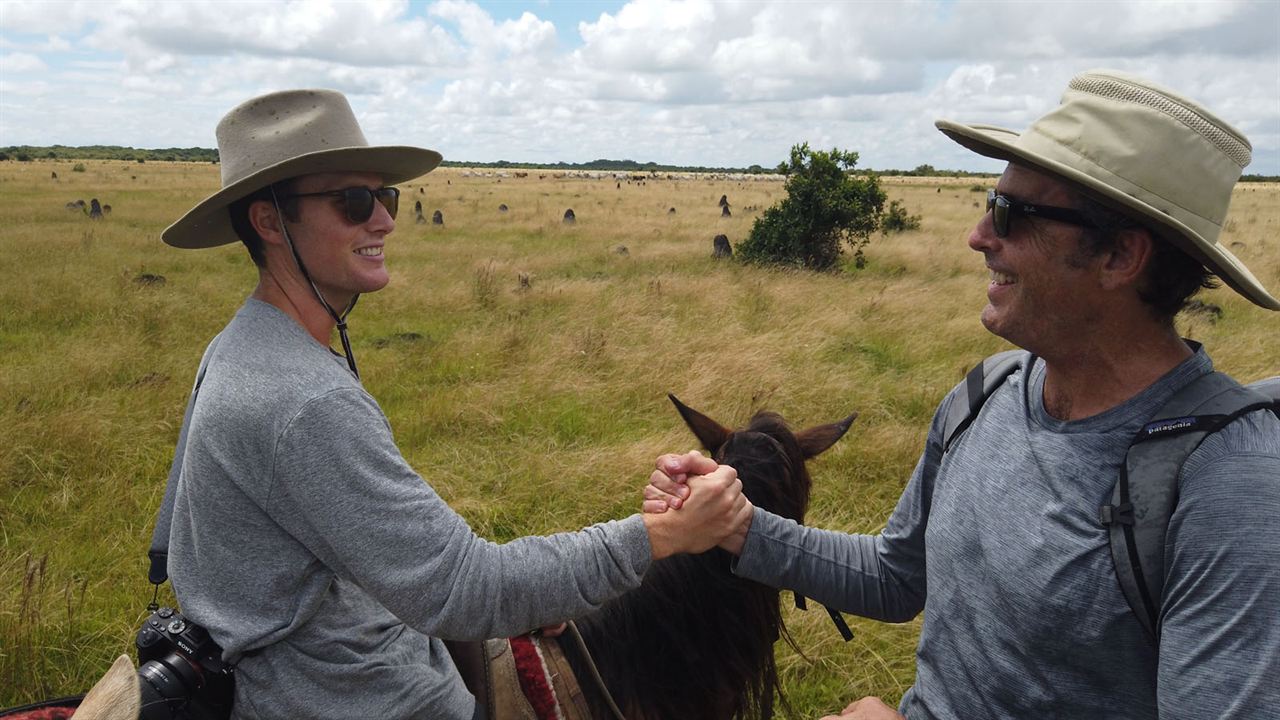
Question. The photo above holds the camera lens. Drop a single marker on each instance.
(168, 684)
(154, 705)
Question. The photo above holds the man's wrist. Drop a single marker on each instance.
(658, 526)
(737, 541)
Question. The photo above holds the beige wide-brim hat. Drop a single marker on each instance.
(1143, 150)
(284, 135)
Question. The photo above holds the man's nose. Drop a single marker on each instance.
(983, 236)
(381, 220)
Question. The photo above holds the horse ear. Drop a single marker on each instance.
(816, 439)
(709, 432)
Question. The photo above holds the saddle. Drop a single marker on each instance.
(520, 678)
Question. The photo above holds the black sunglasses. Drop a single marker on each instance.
(358, 201)
(1001, 207)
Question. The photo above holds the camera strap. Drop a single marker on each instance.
(159, 552)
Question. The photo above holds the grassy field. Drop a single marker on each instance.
(531, 409)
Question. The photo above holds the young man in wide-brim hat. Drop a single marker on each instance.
(324, 566)
(1105, 221)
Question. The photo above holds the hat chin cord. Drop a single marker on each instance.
(339, 320)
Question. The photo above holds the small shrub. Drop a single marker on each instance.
(896, 219)
(825, 207)
(78, 168)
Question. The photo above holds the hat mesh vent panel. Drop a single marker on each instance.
(1107, 87)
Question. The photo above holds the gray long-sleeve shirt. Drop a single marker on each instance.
(998, 542)
(323, 564)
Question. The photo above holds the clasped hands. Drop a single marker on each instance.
(706, 500)
(709, 507)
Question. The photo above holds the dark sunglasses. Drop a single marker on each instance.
(1001, 207)
(358, 201)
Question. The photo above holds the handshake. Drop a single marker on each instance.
(691, 505)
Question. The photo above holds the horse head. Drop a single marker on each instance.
(769, 457)
(694, 629)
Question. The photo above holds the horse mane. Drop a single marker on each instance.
(695, 640)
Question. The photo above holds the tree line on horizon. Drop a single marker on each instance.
(28, 153)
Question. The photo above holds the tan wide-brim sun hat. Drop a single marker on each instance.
(284, 135)
(1143, 150)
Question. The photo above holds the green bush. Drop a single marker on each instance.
(896, 219)
(79, 167)
(826, 206)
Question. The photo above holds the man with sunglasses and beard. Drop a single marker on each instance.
(323, 565)
(1104, 223)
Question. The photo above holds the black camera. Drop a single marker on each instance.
(181, 670)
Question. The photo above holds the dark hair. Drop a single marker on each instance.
(1172, 276)
(240, 217)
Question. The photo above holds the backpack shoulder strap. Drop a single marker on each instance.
(158, 571)
(983, 380)
(1269, 388)
(1146, 491)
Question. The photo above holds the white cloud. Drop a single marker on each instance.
(18, 63)
(655, 35)
(692, 82)
(40, 18)
(372, 33)
(522, 37)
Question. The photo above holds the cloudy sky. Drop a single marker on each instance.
(689, 83)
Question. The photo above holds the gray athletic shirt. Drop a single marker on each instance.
(1000, 545)
(323, 564)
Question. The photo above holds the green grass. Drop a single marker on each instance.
(531, 409)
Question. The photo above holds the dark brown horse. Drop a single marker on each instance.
(694, 640)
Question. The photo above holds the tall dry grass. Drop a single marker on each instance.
(532, 407)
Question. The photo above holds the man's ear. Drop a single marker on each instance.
(265, 219)
(1127, 260)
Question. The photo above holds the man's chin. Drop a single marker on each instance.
(992, 322)
(375, 284)
(989, 320)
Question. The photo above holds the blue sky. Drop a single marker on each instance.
(690, 82)
(565, 15)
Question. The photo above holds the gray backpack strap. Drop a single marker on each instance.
(1146, 492)
(159, 552)
(1269, 388)
(982, 380)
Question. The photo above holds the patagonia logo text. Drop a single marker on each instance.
(1171, 425)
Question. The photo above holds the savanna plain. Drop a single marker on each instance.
(523, 363)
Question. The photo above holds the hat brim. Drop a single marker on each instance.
(208, 224)
(1000, 143)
